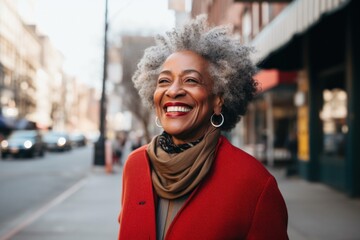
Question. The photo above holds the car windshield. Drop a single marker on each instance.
(22, 134)
(76, 136)
(54, 135)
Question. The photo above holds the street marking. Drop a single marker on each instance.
(37, 214)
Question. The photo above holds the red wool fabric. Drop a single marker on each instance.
(239, 199)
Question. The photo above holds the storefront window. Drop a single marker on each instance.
(333, 116)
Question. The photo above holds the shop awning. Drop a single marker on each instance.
(268, 79)
(295, 19)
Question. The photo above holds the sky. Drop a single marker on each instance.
(76, 28)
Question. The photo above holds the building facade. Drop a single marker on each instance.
(34, 89)
(309, 60)
(19, 60)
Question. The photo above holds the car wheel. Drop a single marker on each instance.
(31, 154)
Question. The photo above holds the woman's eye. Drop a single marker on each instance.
(191, 80)
(163, 80)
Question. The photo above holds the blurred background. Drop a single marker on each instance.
(69, 114)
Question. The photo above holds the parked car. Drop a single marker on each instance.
(57, 141)
(77, 139)
(26, 143)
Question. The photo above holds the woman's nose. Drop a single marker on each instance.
(175, 90)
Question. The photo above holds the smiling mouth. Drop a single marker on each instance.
(181, 109)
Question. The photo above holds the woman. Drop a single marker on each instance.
(190, 182)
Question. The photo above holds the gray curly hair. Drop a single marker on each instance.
(230, 65)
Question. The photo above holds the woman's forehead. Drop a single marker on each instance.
(185, 60)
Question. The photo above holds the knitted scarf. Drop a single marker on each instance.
(174, 175)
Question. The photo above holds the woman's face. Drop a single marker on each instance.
(183, 98)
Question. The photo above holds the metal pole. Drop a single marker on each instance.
(99, 152)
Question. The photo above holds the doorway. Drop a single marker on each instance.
(333, 116)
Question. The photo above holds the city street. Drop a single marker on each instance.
(74, 76)
(28, 185)
(64, 197)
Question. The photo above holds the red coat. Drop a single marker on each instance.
(238, 199)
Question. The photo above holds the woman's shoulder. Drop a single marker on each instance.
(236, 159)
(137, 157)
(137, 151)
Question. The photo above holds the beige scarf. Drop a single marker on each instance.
(174, 175)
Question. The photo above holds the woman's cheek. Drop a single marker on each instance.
(157, 101)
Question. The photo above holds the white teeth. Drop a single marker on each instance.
(178, 109)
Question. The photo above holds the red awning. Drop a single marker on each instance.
(270, 78)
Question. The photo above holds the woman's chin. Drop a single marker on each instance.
(175, 131)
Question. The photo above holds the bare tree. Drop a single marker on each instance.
(132, 51)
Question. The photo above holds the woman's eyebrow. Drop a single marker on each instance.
(192, 71)
(186, 71)
(167, 72)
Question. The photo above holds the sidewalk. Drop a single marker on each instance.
(317, 211)
(90, 210)
(87, 211)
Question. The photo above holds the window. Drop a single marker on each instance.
(333, 116)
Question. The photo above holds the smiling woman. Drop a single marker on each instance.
(190, 182)
(183, 97)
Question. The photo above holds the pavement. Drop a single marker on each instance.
(89, 210)
(317, 211)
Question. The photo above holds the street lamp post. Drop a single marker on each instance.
(99, 152)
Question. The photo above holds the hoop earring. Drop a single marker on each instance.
(157, 122)
(217, 125)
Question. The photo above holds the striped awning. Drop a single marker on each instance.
(295, 19)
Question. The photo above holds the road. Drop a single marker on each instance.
(28, 184)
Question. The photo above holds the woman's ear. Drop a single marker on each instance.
(219, 101)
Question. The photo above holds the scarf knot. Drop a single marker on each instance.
(166, 143)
